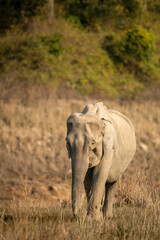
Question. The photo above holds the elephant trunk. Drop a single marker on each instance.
(79, 169)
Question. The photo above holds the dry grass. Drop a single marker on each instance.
(43, 220)
(35, 173)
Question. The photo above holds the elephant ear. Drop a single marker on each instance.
(94, 134)
(110, 137)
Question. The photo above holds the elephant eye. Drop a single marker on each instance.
(92, 145)
(92, 142)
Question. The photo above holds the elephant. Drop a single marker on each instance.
(101, 144)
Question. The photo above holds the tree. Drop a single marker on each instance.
(51, 10)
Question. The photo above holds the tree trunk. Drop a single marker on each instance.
(51, 11)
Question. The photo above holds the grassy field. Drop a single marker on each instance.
(42, 220)
(35, 172)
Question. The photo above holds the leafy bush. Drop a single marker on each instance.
(133, 7)
(53, 43)
(30, 58)
(30, 47)
(133, 53)
(135, 45)
(75, 21)
(154, 6)
(138, 43)
(90, 13)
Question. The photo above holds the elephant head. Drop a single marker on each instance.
(84, 143)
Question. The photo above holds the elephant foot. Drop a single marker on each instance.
(107, 212)
(94, 217)
(109, 216)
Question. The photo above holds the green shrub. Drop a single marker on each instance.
(133, 7)
(110, 45)
(153, 6)
(136, 45)
(31, 47)
(90, 13)
(53, 43)
(75, 21)
(133, 53)
(30, 58)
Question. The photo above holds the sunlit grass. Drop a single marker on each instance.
(43, 220)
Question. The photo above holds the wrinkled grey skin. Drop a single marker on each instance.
(101, 144)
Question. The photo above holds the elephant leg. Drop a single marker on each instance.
(94, 208)
(108, 201)
(99, 178)
(97, 192)
(88, 182)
